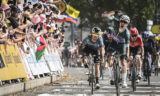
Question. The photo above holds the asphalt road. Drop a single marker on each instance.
(74, 83)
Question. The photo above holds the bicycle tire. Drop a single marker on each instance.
(92, 78)
(134, 71)
(116, 78)
(148, 73)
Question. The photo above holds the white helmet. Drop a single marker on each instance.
(96, 30)
(125, 18)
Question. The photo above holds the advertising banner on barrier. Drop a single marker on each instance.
(50, 61)
(26, 65)
(11, 64)
(53, 60)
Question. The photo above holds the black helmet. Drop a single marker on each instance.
(110, 30)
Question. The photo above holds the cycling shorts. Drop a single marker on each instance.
(135, 50)
(95, 52)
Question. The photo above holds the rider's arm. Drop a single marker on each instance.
(127, 43)
(102, 52)
(102, 47)
(85, 42)
(142, 53)
(142, 47)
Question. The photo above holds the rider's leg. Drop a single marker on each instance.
(110, 69)
(124, 71)
(139, 65)
(97, 72)
(129, 63)
(153, 56)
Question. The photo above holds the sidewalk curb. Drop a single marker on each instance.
(23, 86)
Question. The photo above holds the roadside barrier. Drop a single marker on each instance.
(15, 64)
(11, 64)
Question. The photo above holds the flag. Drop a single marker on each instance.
(72, 14)
(4, 1)
(70, 19)
(41, 49)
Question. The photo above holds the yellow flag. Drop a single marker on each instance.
(72, 12)
(4, 1)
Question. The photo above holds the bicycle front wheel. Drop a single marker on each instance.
(134, 71)
(148, 72)
(117, 78)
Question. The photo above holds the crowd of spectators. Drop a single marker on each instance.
(23, 23)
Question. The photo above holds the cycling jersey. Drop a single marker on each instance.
(135, 47)
(110, 45)
(136, 43)
(92, 47)
(124, 40)
(149, 45)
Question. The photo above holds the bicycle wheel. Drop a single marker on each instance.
(116, 77)
(148, 72)
(134, 71)
(92, 78)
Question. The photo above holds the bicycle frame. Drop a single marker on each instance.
(91, 76)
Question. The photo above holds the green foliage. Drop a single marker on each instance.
(138, 10)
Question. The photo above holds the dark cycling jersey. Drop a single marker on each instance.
(92, 47)
(110, 45)
(149, 45)
(124, 40)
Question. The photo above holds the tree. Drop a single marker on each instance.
(138, 10)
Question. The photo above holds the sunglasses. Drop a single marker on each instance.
(96, 35)
(134, 35)
(124, 22)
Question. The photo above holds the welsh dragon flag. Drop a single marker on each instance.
(41, 49)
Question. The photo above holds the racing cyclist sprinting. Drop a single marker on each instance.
(149, 47)
(123, 35)
(136, 48)
(93, 44)
(111, 44)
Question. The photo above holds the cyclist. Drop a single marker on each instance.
(93, 44)
(123, 35)
(110, 43)
(149, 47)
(136, 48)
(157, 40)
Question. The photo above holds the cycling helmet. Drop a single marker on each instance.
(96, 30)
(110, 31)
(133, 31)
(125, 18)
(145, 35)
(156, 38)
